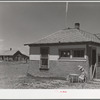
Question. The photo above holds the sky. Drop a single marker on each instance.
(27, 22)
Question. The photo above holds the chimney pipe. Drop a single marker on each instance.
(77, 25)
(10, 49)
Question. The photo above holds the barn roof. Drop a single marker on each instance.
(8, 52)
(69, 35)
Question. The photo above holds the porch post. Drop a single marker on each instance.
(88, 58)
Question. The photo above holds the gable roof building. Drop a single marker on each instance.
(10, 55)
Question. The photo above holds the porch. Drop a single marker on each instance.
(93, 52)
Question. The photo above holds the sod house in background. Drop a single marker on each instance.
(13, 55)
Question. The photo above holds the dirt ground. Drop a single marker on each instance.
(13, 75)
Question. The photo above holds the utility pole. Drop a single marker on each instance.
(66, 15)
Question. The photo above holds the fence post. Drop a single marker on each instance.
(91, 72)
(94, 70)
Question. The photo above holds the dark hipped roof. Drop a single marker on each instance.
(68, 36)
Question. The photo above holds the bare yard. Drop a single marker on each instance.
(13, 76)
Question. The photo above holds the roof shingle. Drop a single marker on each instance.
(8, 52)
(68, 35)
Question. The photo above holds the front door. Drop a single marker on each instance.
(93, 61)
(44, 57)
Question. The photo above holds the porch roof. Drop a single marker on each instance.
(69, 35)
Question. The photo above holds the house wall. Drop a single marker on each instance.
(98, 65)
(53, 52)
(19, 57)
(57, 67)
(34, 53)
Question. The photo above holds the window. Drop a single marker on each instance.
(78, 53)
(44, 58)
(65, 53)
(72, 53)
(44, 62)
(44, 51)
(99, 59)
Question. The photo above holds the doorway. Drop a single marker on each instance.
(44, 57)
(93, 62)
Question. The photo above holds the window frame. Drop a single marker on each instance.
(60, 50)
(44, 55)
(71, 52)
(98, 58)
(78, 49)
(64, 50)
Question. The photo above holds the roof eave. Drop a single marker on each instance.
(60, 43)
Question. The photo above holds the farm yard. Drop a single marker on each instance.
(13, 75)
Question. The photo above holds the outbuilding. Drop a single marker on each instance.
(59, 54)
(13, 55)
